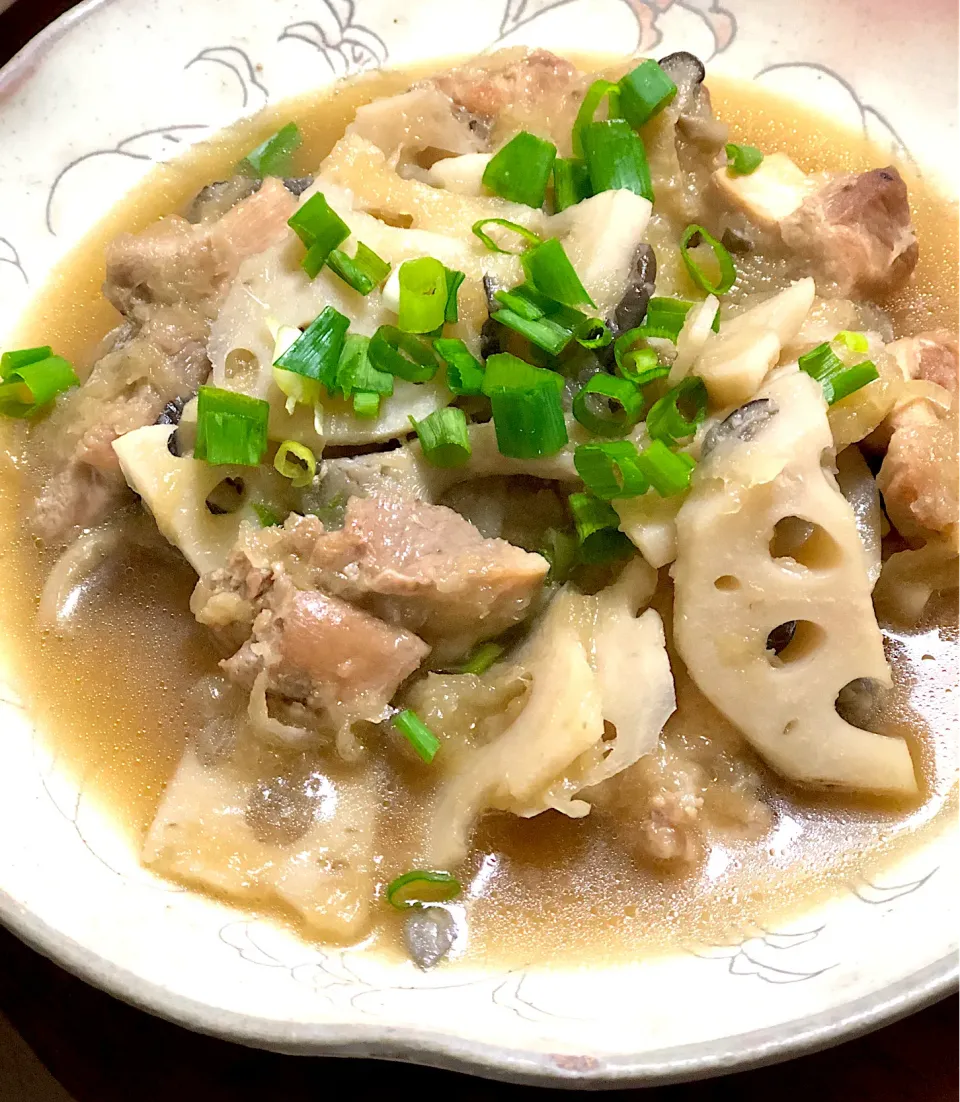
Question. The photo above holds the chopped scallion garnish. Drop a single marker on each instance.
(32, 378)
(560, 551)
(594, 333)
(273, 157)
(742, 160)
(527, 407)
(444, 437)
(571, 183)
(608, 405)
(639, 366)
(464, 372)
(667, 472)
(615, 158)
(598, 530)
(296, 462)
(418, 734)
(231, 427)
(452, 312)
(667, 422)
(403, 355)
(265, 515)
(856, 342)
(528, 236)
(521, 170)
(610, 470)
(644, 92)
(355, 372)
(693, 237)
(320, 228)
(422, 886)
(599, 91)
(366, 405)
(546, 333)
(549, 270)
(481, 658)
(316, 353)
(423, 295)
(362, 272)
(834, 376)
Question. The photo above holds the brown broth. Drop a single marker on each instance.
(110, 697)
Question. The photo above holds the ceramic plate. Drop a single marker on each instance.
(85, 111)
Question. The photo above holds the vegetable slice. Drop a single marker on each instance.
(296, 462)
(608, 405)
(694, 236)
(423, 295)
(420, 886)
(417, 733)
(231, 427)
(273, 157)
(527, 407)
(362, 272)
(521, 170)
(402, 354)
(598, 534)
(464, 372)
(527, 235)
(610, 470)
(644, 92)
(316, 352)
(443, 437)
(666, 422)
(615, 158)
(548, 268)
(742, 160)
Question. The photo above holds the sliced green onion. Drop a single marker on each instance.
(444, 437)
(32, 378)
(464, 372)
(481, 658)
(667, 472)
(545, 333)
(666, 422)
(231, 427)
(644, 92)
(608, 405)
(362, 272)
(527, 235)
(403, 355)
(742, 160)
(599, 91)
(421, 886)
(366, 405)
(593, 333)
(616, 158)
(639, 366)
(560, 551)
(856, 342)
(571, 183)
(521, 170)
(610, 470)
(418, 734)
(598, 530)
(316, 353)
(527, 407)
(526, 301)
(296, 462)
(451, 313)
(692, 237)
(356, 373)
(423, 295)
(320, 228)
(664, 318)
(834, 376)
(265, 515)
(274, 157)
(549, 270)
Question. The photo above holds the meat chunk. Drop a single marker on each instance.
(855, 231)
(933, 357)
(167, 282)
(919, 477)
(425, 567)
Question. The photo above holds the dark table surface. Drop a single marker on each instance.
(62, 1041)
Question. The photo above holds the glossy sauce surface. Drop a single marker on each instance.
(110, 695)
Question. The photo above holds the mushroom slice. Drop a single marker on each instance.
(732, 591)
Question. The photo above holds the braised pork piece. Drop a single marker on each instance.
(544, 454)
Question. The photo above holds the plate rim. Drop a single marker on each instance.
(700, 1060)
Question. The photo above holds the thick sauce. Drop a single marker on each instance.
(111, 694)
